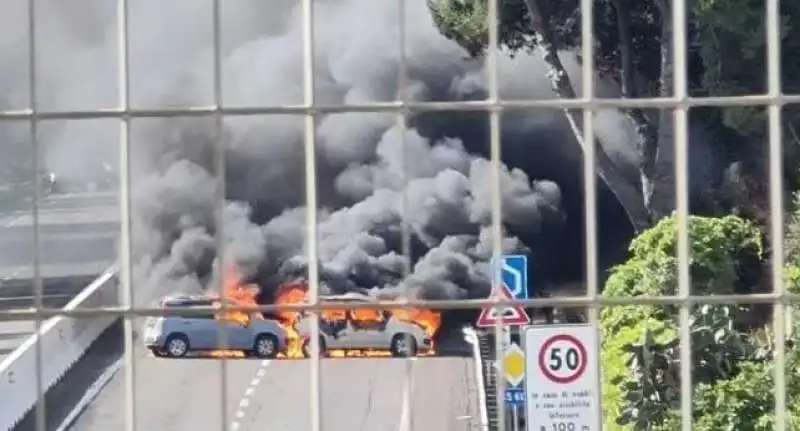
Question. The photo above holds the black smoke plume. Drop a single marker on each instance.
(377, 179)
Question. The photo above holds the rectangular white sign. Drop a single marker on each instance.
(562, 378)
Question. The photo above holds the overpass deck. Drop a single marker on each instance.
(77, 241)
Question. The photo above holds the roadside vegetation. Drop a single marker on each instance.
(733, 346)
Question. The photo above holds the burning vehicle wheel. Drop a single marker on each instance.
(403, 346)
(177, 346)
(307, 347)
(266, 346)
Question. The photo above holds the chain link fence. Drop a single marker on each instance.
(311, 109)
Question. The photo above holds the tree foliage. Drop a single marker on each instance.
(464, 21)
(733, 364)
(726, 56)
(732, 346)
(640, 354)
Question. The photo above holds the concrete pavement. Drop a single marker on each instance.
(356, 394)
(368, 394)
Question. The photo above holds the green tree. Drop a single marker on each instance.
(727, 55)
(550, 26)
(744, 399)
(732, 346)
(639, 348)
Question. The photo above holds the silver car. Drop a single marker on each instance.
(176, 336)
(381, 332)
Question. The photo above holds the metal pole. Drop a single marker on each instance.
(219, 201)
(780, 314)
(315, 400)
(681, 126)
(501, 332)
(38, 286)
(407, 419)
(125, 258)
(515, 418)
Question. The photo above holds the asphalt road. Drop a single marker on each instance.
(356, 394)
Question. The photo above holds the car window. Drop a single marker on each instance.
(234, 317)
(366, 314)
(334, 314)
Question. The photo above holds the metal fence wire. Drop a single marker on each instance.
(680, 102)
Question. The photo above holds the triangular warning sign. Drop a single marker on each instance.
(508, 315)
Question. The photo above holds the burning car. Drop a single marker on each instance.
(351, 331)
(351, 328)
(177, 336)
(219, 330)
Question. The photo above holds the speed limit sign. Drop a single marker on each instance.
(562, 358)
(562, 378)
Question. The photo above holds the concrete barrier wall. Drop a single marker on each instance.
(61, 340)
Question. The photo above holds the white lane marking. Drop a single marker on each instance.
(16, 221)
(248, 393)
(405, 412)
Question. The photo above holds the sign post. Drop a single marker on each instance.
(513, 366)
(509, 281)
(562, 378)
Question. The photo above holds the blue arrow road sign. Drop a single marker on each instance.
(515, 397)
(514, 274)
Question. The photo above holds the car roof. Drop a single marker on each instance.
(187, 300)
(347, 297)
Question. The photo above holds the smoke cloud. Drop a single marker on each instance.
(378, 179)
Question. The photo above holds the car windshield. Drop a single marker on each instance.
(357, 314)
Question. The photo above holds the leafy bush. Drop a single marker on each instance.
(745, 400)
(652, 388)
(640, 343)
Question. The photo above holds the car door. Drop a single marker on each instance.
(231, 333)
(360, 332)
(376, 337)
(201, 330)
(334, 325)
(240, 334)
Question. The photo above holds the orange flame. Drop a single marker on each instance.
(292, 293)
(235, 292)
(428, 319)
(295, 293)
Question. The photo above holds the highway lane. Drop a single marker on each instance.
(369, 394)
(357, 394)
(171, 395)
